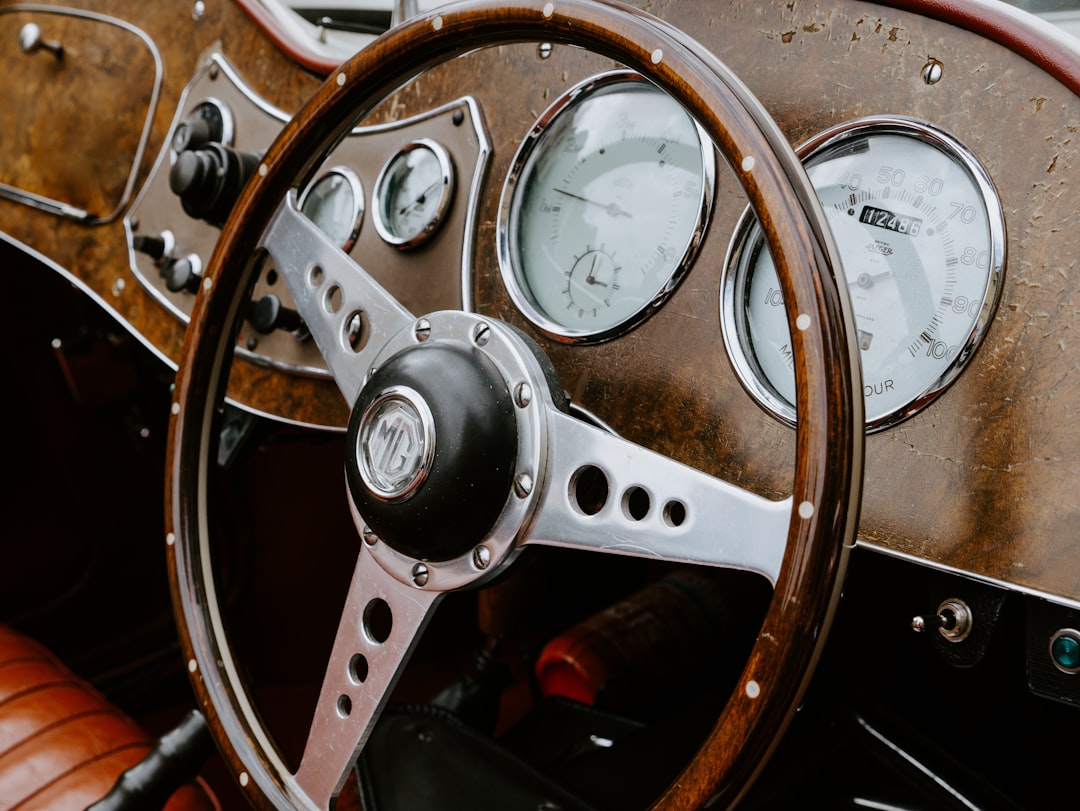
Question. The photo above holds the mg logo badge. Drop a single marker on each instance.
(396, 444)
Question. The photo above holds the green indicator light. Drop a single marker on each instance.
(1065, 650)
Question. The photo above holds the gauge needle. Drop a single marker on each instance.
(419, 201)
(614, 209)
(591, 279)
(867, 280)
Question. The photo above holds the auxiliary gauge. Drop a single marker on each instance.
(921, 238)
(335, 203)
(413, 194)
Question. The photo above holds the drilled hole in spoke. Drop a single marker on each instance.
(636, 503)
(358, 668)
(674, 513)
(344, 706)
(356, 330)
(315, 276)
(589, 489)
(378, 620)
(333, 299)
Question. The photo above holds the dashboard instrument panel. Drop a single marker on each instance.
(969, 469)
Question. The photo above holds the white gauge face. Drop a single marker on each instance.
(604, 208)
(413, 194)
(921, 241)
(335, 203)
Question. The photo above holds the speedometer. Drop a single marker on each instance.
(921, 238)
(604, 208)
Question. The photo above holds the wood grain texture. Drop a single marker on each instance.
(56, 143)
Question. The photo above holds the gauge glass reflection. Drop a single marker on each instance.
(920, 234)
(335, 203)
(604, 208)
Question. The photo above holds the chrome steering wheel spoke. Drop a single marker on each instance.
(380, 625)
(350, 316)
(606, 494)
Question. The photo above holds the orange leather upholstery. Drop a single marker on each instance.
(62, 744)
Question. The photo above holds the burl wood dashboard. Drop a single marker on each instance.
(981, 481)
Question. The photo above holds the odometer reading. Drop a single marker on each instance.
(890, 221)
(921, 240)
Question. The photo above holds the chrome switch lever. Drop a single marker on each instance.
(30, 41)
(953, 620)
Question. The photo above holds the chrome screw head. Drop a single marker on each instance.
(481, 556)
(523, 485)
(422, 330)
(420, 575)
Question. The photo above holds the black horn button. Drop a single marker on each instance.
(432, 445)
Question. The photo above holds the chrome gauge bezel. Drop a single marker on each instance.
(356, 188)
(529, 153)
(746, 243)
(384, 195)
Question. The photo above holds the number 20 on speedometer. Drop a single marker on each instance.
(921, 239)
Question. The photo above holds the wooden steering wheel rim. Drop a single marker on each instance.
(828, 475)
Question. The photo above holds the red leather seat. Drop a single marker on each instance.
(62, 744)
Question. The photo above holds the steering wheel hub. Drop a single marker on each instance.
(433, 448)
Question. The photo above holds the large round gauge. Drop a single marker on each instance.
(413, 193)
(604, 208)
(335, 203)
(921, 238)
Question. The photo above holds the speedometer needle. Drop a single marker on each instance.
(613, 208)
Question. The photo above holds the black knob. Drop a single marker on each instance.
(268, 314)
(208, 180)
(192, 133)
(182, 274)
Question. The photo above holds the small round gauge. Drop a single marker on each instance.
(334, 201)
(604, 208)
(413, 193)
(921, 238)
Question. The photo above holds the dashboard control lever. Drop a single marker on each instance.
(952, 620)
(156, 247)
(268, 314)
(31, 41)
